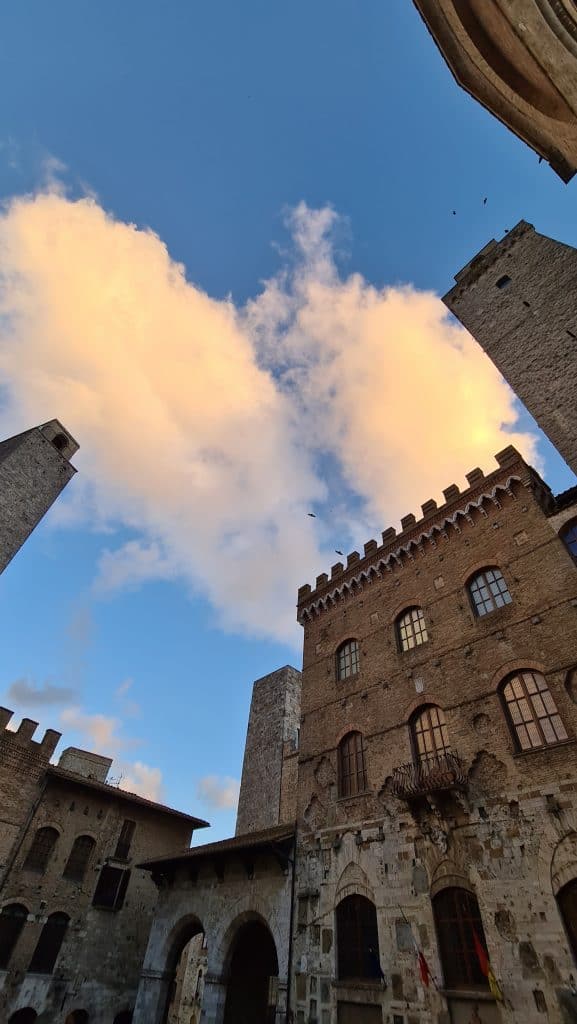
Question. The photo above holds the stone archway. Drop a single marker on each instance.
(186, 946)
(252, 976)
(24, 1016)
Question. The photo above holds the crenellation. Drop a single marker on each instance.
(408, 521)
(370, 547)
(415, 533)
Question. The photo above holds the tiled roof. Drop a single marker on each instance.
(122, 794)
(250, 841)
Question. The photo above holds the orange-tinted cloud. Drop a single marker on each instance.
(206, 429)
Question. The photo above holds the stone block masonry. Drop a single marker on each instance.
(518, 298)
(34, 469)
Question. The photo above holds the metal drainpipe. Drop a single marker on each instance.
(290, 949)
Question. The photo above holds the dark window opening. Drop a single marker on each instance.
(25, 1016)
(124, 840)
(357, 939)
(48, 946)
(569, 537)
(348, 659)
(488, 591)
(12, 920)
(79, 858)
(531, 711)
(41, 850)
(60, 441)
(352, 772)
(77, 1017)
(458, 920)
(124, 1017)
(503, 281)
(111, 888)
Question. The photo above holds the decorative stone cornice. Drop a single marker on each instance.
(418, 536)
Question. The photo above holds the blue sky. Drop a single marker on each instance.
(209, 124)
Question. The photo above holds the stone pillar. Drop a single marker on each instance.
(152, 998)
(280, 1017)
(213, 1000)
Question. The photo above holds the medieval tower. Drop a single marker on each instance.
(34, 468)
(517, 298)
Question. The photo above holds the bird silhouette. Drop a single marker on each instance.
(311, 514)
(454, 213)
(485, 201)
(337, 552)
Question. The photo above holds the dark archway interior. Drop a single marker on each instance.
(251, 990)
(187, 932)
(25, 1016)
(124, 1017)
(567, 901)
(77, 1017)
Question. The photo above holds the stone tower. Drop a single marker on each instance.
(517, 298)
(519, 59)
(269, 771)
(34, 468)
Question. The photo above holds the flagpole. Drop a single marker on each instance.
(417, 948)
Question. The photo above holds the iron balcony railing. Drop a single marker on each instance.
(429, 775)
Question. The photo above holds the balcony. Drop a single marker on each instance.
(428, 775)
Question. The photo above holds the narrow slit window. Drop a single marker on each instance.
(503, 282)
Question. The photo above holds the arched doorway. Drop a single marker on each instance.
(567, 903)
(77, 1017)
(25, 1016)
(252, 977)
(187, 958)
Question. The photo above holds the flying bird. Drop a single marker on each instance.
(311, 514)
(454, 213)
(485, 201)
(337, 552)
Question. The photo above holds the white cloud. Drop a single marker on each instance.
(102, 734)
(142, 779)
(220, 792)
(210, 431)
(26, 694)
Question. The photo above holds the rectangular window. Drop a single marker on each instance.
(111, 888)
(122, 851)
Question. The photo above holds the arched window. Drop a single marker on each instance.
(25, 1016)
(429, 735)
(48, 946)
(458, 921)
(488, 591)
(357, 939)
(531, 711)
(569, 537)
(12, 920)
(348, 659)
(411, 629)
(352, 772)
(567, 903)
(41, 850)
(79, 858)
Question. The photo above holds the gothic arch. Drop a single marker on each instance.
(180, 934)
(564, 862)
(449, 874)
(353, 881)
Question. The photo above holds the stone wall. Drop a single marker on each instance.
(34, 469)
(99, 963)
(505, 825)
(268, 785)
(519, 59)
(517, 298)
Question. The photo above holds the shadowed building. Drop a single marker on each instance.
(518, 298)
(34, 468)
(519, 59)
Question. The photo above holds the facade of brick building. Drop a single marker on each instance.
(518, 58)
(427, 809)
(517, 298)
(34, 468)
(75, 912)
(437, 787)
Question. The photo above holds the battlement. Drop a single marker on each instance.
(485, 258)
(414, 532)
(23, 735)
